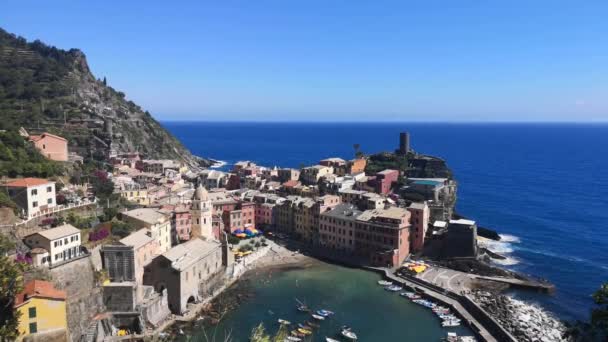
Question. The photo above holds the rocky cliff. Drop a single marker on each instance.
(43, 88)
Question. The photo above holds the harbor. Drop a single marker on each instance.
(353, 295)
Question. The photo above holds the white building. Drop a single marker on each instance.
(32, 195)
(53, 246)
(158, 223)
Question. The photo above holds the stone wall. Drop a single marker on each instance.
(84, 296)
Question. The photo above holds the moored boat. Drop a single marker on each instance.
(324, 312)
(385, 282)
(318, 317)
(393, 288)
(283, 321)
(348, 333)
(304, 331)
(450, 323)
(293, 338)
(329, 339)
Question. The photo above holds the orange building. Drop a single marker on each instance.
(356, 165)
(51, 146)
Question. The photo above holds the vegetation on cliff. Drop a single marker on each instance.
(43, 88)
(19, 158)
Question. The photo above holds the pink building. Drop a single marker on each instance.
(51, 146)
(182, 221)
(242, 217)
(384, 181)
(264, 214)
(383, 236)
(145, 248)
(337, 228)
(420, 221)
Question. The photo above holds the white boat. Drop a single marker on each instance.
(283, 321)
(329, 339)
(319, 317)
(293, 338)
(393, 288)
(349, 334)
(467, 339)
(452, 337)
(450, 323)
(385, 282)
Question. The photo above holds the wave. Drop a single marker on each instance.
(218, 164)
(509, 261)
(509, 238)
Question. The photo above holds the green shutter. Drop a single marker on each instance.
(32, 312)
(33, 328)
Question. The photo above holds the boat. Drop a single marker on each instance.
(329, 339)
(303, 308)
(324, 312)
(284, 322)
(349, 334)
(385, 283)
(297, 333)
(304, 326)
(393, 288)
(452, 337)
(319, 317)
(304, 331)
(450, 323)
(467, 339)
(293, 338)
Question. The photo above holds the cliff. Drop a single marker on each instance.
(43, 88)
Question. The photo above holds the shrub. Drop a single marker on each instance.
(99, 235)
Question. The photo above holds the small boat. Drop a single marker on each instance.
(329, 339)
(349, 334)
(452, 337)
(304, 326)
(324, 312)
(450, 323)
(318, 317)
(297, 333)
(293, 338)
(284, 322)
(304, 331)
(303, 308)
(393, 288)
(385, 282)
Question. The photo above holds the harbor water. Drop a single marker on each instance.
(353, 294)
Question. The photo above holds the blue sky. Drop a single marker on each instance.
(339, 60)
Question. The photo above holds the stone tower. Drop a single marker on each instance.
(201, 214)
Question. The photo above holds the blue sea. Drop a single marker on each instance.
(542, 186)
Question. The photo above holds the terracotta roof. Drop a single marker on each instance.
(38, 289)
(27, 182)
(44, 135)
(291, 183)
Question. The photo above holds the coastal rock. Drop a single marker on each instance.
(525, 321)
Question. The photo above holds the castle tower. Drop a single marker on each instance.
(201, 214)
(404, 143)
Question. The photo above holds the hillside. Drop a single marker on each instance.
(43, 88)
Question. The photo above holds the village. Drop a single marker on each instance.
(180, 235)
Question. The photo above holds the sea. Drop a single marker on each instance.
(543, 187)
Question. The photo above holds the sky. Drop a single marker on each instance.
(326, 60)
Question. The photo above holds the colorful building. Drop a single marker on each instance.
(34, 196)
(312, 174)
(384, 181)
(158, 223)
(51, 146)
(42, 309)
(355, 166)
(420, 221)
(240, 218)
(383, 235)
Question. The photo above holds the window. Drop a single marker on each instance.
(34, 192)
(34, 204)
(49, 189)
(49, 201)
(32, 312)
(33, 328)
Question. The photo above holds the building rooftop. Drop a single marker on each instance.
(463, 222)
(137, 239)
(27, 182)
(387, 172)
(418, 205)
(183, 255)
(146, 215)
(394, 213)
(334, 160)
(59, 232)
(44, 135)
(38, 289)
(344, 211)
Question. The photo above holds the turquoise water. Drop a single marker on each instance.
(353, 294)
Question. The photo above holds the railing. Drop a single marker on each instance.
(59, 208)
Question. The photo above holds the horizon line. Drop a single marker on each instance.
(558, 122)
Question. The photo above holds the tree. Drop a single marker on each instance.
(11, 283)
(258, 334)
(597, 328)
(358, 152)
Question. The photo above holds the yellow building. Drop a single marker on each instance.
(42, 308)
(139, 196)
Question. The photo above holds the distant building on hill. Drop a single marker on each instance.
(51, 146)
(404, 143)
